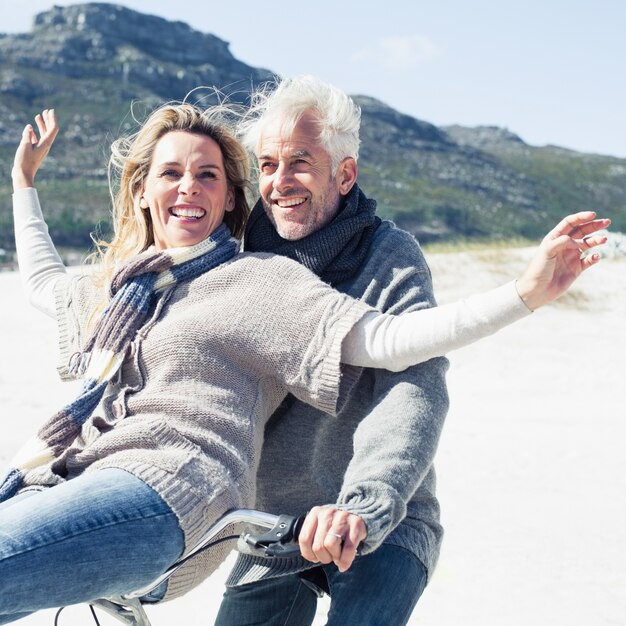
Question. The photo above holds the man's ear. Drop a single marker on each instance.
(346, 175)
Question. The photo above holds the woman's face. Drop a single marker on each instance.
(186, 189)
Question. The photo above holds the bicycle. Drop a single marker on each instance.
(280, 540)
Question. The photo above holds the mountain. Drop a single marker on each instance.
(102, 66)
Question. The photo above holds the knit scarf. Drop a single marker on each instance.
(335, 253)
(134, 290)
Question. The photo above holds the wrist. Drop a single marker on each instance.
(22, 180)
(526, 294)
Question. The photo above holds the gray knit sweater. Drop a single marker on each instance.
(188, 411)
(377, 459)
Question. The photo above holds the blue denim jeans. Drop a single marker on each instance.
(380, 589)
(96, 535)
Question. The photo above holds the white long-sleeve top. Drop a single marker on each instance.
(377, 340)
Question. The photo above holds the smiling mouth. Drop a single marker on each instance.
(194, 213)
(288, 203)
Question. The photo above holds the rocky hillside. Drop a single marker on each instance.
(102, 65)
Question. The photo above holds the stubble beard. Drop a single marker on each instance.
(320, 214)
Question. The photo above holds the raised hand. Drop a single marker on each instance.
(32, 150)
(561, 257)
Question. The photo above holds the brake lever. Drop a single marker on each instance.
(279, 541)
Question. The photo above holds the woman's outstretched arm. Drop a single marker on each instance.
(395, 343)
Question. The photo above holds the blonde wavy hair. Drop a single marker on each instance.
(130, 162)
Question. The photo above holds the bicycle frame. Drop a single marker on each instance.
(283, 530)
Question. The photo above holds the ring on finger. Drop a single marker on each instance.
(335, 535)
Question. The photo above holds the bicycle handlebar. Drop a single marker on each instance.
(284, 530)
(281, 540)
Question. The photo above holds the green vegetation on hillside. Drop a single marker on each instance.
(441, 184)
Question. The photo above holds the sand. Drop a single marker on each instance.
(531, 465)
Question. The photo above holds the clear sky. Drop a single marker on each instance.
(552, 71)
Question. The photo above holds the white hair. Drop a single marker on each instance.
(338, 116)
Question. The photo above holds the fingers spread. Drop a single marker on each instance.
(52, 128)
(590, 227)
(47, 125)
(591, 242)
(570, 222)
(40, 124)
(579, 225)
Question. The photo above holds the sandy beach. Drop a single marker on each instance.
(531, 465)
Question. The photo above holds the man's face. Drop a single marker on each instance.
(298, 188)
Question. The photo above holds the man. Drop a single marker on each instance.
(371, 467)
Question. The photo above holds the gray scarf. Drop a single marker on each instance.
(335, 253)
(134, 289)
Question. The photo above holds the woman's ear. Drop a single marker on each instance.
(230, 201)
(143, 203)
(346, 175)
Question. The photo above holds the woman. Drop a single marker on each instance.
(185, 348)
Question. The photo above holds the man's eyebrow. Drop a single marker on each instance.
(292, 155)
